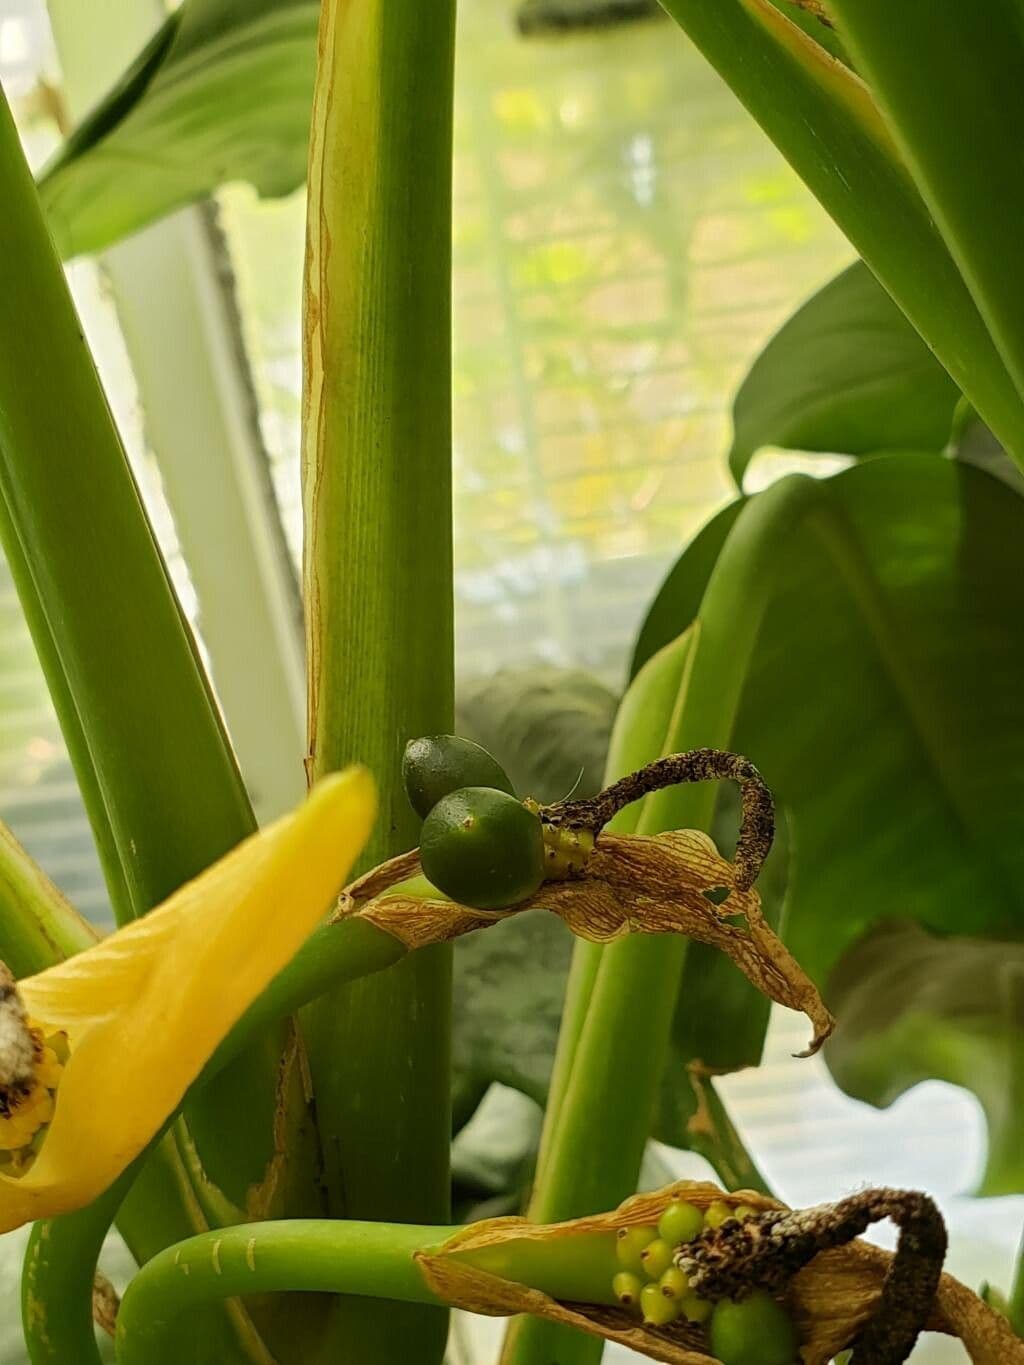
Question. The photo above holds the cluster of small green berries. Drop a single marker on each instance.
(649, 1282)
(751, 1331)
(566, 850)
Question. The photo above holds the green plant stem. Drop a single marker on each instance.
(606, 1113)
(823, 120)
(959, 147)
(345, 950)
(378, 586)
(639, 737)
(37, 925)
(67, 713)
(57, 1280)
(376, 1260)
(637, 740)
(723, 1148)
(325, 1256)
(583, 970)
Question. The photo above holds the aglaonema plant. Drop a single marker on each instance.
(252, 1074)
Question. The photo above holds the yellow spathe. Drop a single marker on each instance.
(144, 1009)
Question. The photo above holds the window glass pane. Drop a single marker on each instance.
(625, 240)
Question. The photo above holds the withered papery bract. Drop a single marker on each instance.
(830, 1299)
(631, 884)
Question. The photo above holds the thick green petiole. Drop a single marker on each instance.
(318, 1255)
(37, 925)
(578, 1269)
(339, 951)
(373, 1260)
(376, 465)
(623, 1043)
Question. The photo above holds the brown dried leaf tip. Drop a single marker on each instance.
(839, 1292)
(630, 884)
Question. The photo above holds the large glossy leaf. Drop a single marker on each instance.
(846, 374)
(827, 124)
(958, 146)
(883, 698)
(223, 92)
(913, 1006)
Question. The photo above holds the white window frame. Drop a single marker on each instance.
(182, 331)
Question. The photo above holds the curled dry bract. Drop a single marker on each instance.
(631, 884)
(830, 1299)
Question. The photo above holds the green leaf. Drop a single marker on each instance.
(679, 598)
(805, 17)
(222, 92)
(958, 147)
(882, 697)
(548, 727)
(846, 374)
(493, 1156)
(508, 998)
(912, 1007)
(825, 122)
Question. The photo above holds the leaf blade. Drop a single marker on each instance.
(903, 614)
(846, 374)
(958, 147)
(913, 1007)
(832, 133)
(223, 92)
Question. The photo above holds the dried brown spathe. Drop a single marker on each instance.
(631, 884)
(831, 1299)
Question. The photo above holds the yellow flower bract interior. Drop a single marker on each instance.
(125, 1027)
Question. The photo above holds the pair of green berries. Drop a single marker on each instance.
(751, 1331)
(479, 844)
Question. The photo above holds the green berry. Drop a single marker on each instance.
(674, 1284)
(696, 1309)
(681, 1222)
(753, 1331)
(657, 1310)
(434, 766)
(629, 1243)
(626, 1287)
(744, 1211)
(718, 1213)
(483, 848)
(656, 1258)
